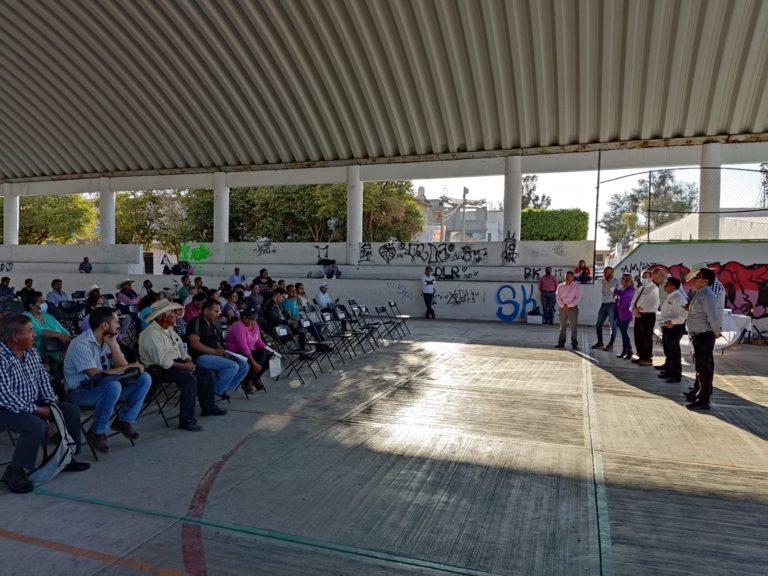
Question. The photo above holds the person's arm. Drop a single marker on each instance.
(196, 345)
(714, 319)
(575, 297)
(559, 297)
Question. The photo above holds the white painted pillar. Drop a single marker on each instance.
(106, 212)
(709, 192)
(220, 216)
(10, 216)
(354, 214)
(513, 196)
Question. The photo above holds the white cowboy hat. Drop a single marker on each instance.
(120, 284)
(695, 270)
(161, 307)
(91, 289)
(324, 284)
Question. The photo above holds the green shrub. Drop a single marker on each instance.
(541, 224)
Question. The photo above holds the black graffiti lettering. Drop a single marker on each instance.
(322, 251)
(461, 296)
(509, 255)
(263, 248)
(388, 252)
(6, 266)
(365, 252)
(532, 273)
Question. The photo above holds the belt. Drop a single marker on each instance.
(548, 291)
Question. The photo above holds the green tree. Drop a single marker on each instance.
(530, 199)
(65, 219)
(628, 215)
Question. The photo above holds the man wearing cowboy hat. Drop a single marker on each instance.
(161, 347)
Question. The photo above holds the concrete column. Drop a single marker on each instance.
(106, 212)
(709, 192)
(220, 216)
(10, 216)
(354, 214)
(513, 196)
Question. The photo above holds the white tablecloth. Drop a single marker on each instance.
(733, 326)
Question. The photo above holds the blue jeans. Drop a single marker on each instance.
(229, 372)
(548, 300)
(623, 325)
(605, 313)
(104, 397)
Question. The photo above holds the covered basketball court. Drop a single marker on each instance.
(468, 447)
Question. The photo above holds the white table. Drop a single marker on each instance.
(733, 327)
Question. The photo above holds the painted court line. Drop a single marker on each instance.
(271, 534)
(85, 553)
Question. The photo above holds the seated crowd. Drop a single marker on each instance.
(205, 342)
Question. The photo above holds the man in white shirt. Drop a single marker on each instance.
(237, 278)
(644, 306)
(672, 320)
(323, 299)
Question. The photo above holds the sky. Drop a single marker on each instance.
(577, 189)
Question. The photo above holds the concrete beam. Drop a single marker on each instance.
(220, 216)
(107, 202)
(10, 216)
(354, 213)
(513, 193)
(709, 192)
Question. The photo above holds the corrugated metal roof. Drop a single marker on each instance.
(91, 87)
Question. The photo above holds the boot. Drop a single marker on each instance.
(16, 479)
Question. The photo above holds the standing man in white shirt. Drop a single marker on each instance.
(608, 284)
(237, 278)
(644, 306)
(672, 322)
(428, 291)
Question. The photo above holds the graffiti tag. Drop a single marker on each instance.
(265, 247)
(401, 290)
(536, 273)
(365, 252)
(510, 307)
(322, 251)
(198, 253)
(509, 255)
(6, 266)
(432, 252)
(455, 272)
(460, 296)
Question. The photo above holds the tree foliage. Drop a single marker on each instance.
(529, 198)
(631, 213)
(65, 219)
(565, 224)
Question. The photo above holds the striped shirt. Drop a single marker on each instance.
(84, 353)
(23, 382)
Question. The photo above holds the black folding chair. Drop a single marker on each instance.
(294, 358)
(386, 329)
(398, 315)
(397, 325)
(161, 394)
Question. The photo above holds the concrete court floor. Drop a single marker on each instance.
(468, 448)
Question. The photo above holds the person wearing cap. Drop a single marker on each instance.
(85, 266)
(704, 325)
(323, 299)
(262, 283)
(93, 288)
(244, 338)
(127, 298)
(672, 321)
(93, 366)
(206, 344)
(162, 350)
(645, 304)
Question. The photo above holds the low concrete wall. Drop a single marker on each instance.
(115, 259)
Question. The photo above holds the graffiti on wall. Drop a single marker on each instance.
(195, 252)
(430, 252)
(322, 251)
(366, 253)
(635, 268)
(509, 255)
(6, 266)
(461, 296)
(455, 272)
(264, 248)
(402, 292)
(746, 287)
(530, 273)
(514, 302)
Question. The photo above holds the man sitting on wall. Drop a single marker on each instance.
(85, 266)
(582, 273)
(162, 350)
(206, 344)
(98, 375)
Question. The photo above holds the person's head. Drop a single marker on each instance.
(211, 310)
(569, 277)
(185, 280)
(263, 273)
(323, 287)
(250, 315)
(94, 300)
(671, 285)
(279, 295)
(608, 273)
(582, 263)
(281, 284)
(165, 313)
(428, 271)
(5, 281)
(626, 280)
(199, 299)
(231, 297)
(290, 290)
(149, 299)
(147, 284)
(199, 282)
(28, 282)
(239, 288)
(127, 285)
(237, 271)
(57, 284)
(299, 288)
(85, 259)
(704, 277)
(645, 277)
(16, 332)
(193, 290)
(35, 302)
(214, 294)
(95, 289)
(223, 285)
(659, 275)
(548, 271)
(103, 321)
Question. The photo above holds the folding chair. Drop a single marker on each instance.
(337, 344)
(360, 334)
(386, 329)
(397, 325)
(293, 357)
(398, 315)
(321, 348)
(160, 395)
(365, 323)
(89, 417)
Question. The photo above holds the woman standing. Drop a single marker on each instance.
(622, 313)
(428, 291)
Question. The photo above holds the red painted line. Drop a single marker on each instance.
(192, 547)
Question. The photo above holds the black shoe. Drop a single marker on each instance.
(16, 479)
(560, 346)
(697, 405)
(673, 380)
(574, 345)
(660, 367)
(224, 396)
(690, 396)
(75, 466)
(191, 426)
(598, 345)
(662, 375)
(215, 411)
(608, 348)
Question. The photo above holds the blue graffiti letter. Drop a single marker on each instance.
(503, 300)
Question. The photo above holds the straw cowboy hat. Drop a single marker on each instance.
(126, 281)
(91, 289)
(695, 270)
(161, 307)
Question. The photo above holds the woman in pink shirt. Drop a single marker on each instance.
(244, 338)
(568, 296)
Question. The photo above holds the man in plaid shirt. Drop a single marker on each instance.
(25, 397)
